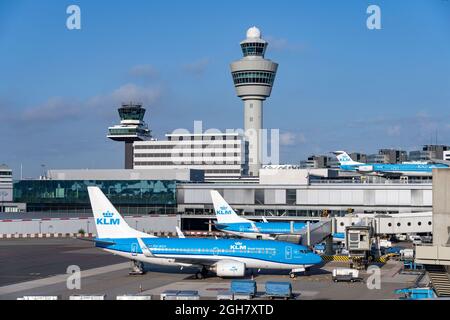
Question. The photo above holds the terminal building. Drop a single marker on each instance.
(303, 192)
(220, 155)
(6, 191)
(64, 192)
(279, 193)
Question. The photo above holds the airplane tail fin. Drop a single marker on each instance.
(224, 213)
(108, 221)
(344, 158)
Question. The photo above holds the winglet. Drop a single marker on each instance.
(180, 233)
(254, 227)
(145, 250)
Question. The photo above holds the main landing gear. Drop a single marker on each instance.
(202, 273)
(137, 268)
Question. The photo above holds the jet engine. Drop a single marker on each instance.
(229, 268)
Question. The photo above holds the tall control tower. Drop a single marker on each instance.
(131, 128)
(253, 78)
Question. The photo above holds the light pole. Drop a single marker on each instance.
(40, 223)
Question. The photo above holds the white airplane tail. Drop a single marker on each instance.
(344, 159)
(108, 221)
(224, 213)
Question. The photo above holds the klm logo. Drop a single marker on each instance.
(238, 246)
(224, 210)
(108, 219)
(345, 158)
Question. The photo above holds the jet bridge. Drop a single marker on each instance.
(312, 234)
(396, 223)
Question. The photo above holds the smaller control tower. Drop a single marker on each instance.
(131, 128)
(253, 78)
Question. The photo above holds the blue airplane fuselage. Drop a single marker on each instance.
(396, 168)
(276, 252)
(262, 227)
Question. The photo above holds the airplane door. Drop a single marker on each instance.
(288, 252)
(134, 247)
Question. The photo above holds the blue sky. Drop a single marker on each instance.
(339, 84)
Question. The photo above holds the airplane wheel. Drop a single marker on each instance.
(199, 275)
(292, 275)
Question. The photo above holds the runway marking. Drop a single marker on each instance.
(60, 278)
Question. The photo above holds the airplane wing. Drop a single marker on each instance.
(391, 174)
(197, 261)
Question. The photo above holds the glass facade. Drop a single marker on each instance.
(258, 77)
(132, 113)
(126, 131)
(253, 48)
(70, 196)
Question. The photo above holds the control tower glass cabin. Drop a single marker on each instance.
(132, 128)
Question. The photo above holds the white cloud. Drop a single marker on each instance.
(145, 71)
(282, 44)
(54, 109)
(197, 67)
(132, 92)
(57, 110)
(290, 138)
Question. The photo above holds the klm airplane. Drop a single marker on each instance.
(226, 258)
(228, 221)
(410, 169)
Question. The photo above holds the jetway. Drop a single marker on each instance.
(312, 234)
(406, 223)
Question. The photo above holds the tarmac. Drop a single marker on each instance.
(39, 267)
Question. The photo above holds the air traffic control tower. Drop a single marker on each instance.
(253, 78)
(131, 128)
